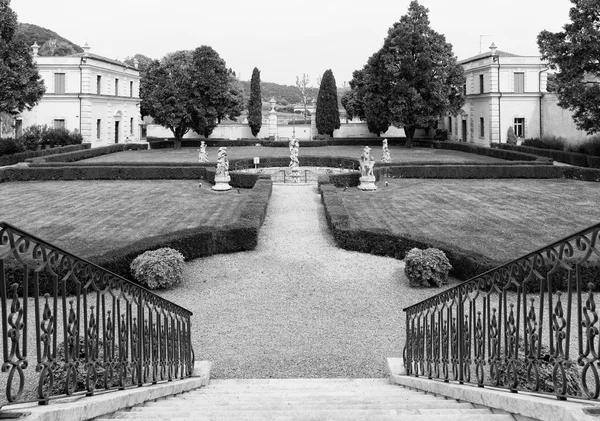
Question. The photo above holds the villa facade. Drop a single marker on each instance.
(94, 95)
(505, 90)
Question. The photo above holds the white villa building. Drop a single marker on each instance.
(506, 90)
(94, 95)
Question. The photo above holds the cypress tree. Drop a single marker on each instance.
(328, 114)
(255, 103)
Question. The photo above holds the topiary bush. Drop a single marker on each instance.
(8, 146)
(161, 268)
(426, 268)
(511, 138)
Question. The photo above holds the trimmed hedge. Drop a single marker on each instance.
(89, 153)
(241, 235)
(571, 158)
(466, 264)
(508, 155)
(23, 156)
(470, 171)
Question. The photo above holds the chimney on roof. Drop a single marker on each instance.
(86, 49)
(493, 49)
(35, 47)
(136, 63)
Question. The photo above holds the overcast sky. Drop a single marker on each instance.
(285, 38)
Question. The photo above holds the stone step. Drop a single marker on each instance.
(248, 406)
(328, 416)
(259, 400)
(305, 407)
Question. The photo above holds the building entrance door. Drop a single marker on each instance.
(464, 130)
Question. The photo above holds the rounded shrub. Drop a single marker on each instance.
(161, 268)
(426, 268)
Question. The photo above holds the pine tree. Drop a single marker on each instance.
(328, 114)
(255, 103)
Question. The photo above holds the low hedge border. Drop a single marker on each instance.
(571, 158)
(351, 179)
(89, 153)
(465, 264)
(508, 155)
(240, 235)
(24, 156)
(238, 179)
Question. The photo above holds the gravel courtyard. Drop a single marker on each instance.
(296, 306)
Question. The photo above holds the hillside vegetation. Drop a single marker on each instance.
(51, 44)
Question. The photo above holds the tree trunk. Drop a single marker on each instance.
(410, 134)
(178, 136)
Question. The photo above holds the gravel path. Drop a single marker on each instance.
(296, 306)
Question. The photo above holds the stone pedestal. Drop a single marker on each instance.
(367, 183)
(273, 120)
(222, 183)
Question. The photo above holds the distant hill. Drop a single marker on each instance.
(283, 94)
(51, 44)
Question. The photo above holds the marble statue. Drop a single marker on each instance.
(385, 157)
(367, 163)
(202, 155)
(222, 177)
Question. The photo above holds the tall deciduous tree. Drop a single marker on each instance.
(413, 80)
(575, 53)
(328, 114)
(190, 90)
(20, 84)
(303, 86)
(255, 103)
(420, 73)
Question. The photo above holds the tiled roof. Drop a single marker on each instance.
(101, 58)
(488, 54)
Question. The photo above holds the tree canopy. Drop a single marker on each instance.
(412, 81)
(21, 86)
(575, 53)
(190, 90)
(255, 104)
(328, 114)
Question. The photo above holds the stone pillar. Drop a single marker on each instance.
(273, 120)
(313, 125)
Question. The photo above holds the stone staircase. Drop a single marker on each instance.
(306, 399)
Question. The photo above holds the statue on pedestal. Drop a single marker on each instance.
(367, 163)
(385, 157)
(222, 177)
(294, 146)
(202, 155)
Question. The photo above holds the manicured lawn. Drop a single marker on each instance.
(92, 217)
(502, 219)
(399, 154)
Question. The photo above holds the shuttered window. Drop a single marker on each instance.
(449, 124)
(481, 127)
(519, 127)
(59, 83)
(480, 84)
(519, 83)
(59, 123)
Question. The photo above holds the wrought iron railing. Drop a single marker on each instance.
(529, 325)
(90, 330)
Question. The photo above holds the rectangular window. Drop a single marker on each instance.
(59, 123)
(465, 89)
(98, 128)
(481, 127)
(449, 124)
(480, 84)
(116, 87)
(519, 127)
(131, 126)
(59, 83)
(131, 89)
(519, 83)
(98, 84)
